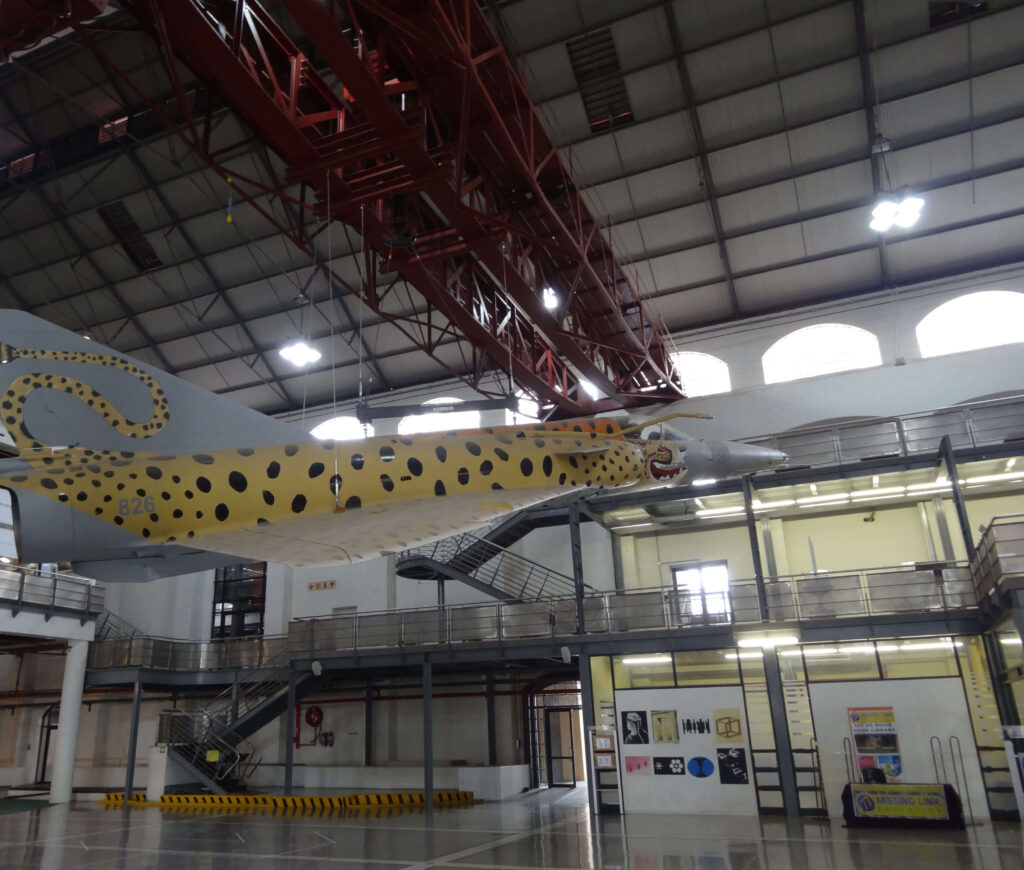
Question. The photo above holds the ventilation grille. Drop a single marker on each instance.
(121, 223)
(599, 76)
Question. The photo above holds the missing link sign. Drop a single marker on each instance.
(899, 802)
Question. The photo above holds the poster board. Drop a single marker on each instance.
(685, 751)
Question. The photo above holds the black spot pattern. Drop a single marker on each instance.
(268, 497)
(441, 453)
(335, 483)
(290, 450)
(387, 483)
(203, 458)
(439, 488)
(473, 448)
(273, 470)
(548, 466)
(202, 484)
(221, 512)
(526, 467)
(353, 502)
(501, 454)
(315, 470)
(298, 504)
(486, 467)
(463, 476)
(357, 461)
(237, 481)
(415, 466)
(153, 472)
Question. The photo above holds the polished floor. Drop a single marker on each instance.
(550, 830)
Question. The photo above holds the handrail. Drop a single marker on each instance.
(220, 754)
(51, 591)
(974, 424)
(932, 588)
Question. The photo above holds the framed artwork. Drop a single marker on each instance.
(604, 743)
(665, 726)
(634, 727)
(604, 760)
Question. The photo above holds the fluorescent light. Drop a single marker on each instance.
(936, 487)
(746, 655)
(869, 497)
(768, 505)
(768, 641)
(810, 499)
(810, 651)
(875, 493)
(590, 389)
(647, 660)
(1008, 641)
(814, 489)
(720, 512)
(631, 526)
(843, 500)
(5, 560)
(944, 644)
(704, 481)
(889, 213)
(298, 353)
(874, 480)
(996, 478)
(550, 298)
(1012, 461)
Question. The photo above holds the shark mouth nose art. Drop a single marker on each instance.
(665, 470)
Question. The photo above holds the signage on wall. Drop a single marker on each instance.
(899, 801)
(316, 585)
(875, 742)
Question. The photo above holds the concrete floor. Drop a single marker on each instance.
(551, 830)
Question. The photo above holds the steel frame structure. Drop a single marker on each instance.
(431, 149)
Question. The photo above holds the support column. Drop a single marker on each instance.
(577, 562)
(492, 736)
(428, 736)
(289, 731)
(949, 460)
(236, 696)
(780, 725)
(368, 727)
(133, 742)
(587, 700)
(755, 549)
(67, 726)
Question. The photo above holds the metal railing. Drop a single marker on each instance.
(972, 425)
(494, 566)
(164, 653)
(998, 561)
(266, 680)
(204, 743)
(937, 588)
(27, 588)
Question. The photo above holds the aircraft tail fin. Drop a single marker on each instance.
(58, 389)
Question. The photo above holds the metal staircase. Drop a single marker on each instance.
(110, 626)
(214, 742)
(485, 566)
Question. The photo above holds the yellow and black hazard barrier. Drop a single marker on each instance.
(272, 802)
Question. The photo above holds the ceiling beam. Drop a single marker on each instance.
(702, 152)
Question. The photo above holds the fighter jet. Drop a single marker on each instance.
(131, 474)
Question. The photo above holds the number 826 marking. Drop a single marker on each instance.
(127, 506)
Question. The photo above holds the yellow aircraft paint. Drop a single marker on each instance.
(318, 502)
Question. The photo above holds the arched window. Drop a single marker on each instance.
(443, 421)
(342, 429)
(988, 318)
(527, 412)
(702, 374)
(820, 350)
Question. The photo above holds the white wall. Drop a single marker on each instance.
(922, 707)
(179, 607)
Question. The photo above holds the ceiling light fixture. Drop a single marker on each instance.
(704, 481)
(889, 213)
(300, 354)
(550, 298)
(768, 641)
(647, 660)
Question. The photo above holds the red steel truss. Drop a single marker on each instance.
(434, 152)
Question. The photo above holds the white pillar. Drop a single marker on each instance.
(67, 724)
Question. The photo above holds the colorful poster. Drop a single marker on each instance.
(899, 801)
(638, 765)
(876, 743)
(669, 766)
(728, 726)
(732, 766)
(665, 726)
(700, 767)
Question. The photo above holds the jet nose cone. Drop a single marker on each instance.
(735, 458)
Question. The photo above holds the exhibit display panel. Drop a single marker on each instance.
(685, 751)
(889, 725)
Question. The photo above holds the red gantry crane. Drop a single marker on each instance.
(432, 149)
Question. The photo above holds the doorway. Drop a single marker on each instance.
(47, 725)
(561, 745)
